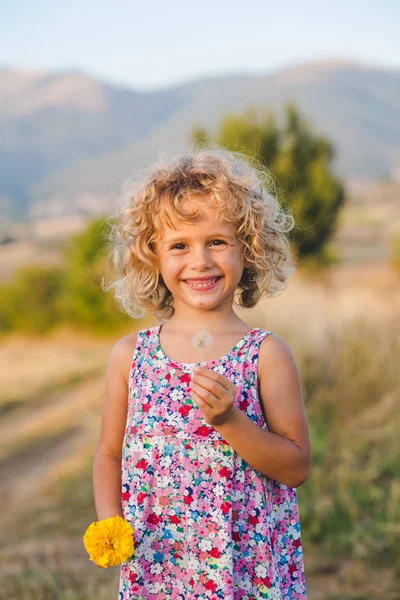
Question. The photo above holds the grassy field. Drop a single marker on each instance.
(343, 331)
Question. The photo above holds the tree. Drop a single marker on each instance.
(30, 303)
(84, 301)
(300, 163)
(41, 297)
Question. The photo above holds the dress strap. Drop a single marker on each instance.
(250, 380)
(143, 344)
(255, 343)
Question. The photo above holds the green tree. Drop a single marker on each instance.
(300, 163)
(31, 302)
(84, 301)
(39, 297)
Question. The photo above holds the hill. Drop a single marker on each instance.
(69, 142)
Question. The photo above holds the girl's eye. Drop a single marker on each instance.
(221, 241)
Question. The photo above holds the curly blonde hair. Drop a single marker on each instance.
(238, 188)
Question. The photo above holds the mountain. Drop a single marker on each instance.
(70, 143)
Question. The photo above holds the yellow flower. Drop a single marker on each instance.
(109, 542)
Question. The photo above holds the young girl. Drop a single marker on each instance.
(203, 461)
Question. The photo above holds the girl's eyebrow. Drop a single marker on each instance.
(214, 235)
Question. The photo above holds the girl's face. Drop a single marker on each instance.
(204, 249)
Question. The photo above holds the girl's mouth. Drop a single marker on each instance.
(209, 284)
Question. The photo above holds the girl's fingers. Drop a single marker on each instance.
(203, 390)
(207, 375)
(211, 386)
(199, 399)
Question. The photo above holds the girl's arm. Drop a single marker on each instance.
(107, 460)
(282, 453)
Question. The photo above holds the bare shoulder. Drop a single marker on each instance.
(122, 352)
(274, 351)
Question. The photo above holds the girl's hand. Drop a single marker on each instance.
(214, 394)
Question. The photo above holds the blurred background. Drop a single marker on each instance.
(90, 94)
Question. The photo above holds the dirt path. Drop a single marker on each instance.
(59, 431)
(60, 412)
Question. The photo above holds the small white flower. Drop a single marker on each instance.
(280, 512)
(246, 583)
(205, 545)
(284, 569)
(177, 394)
(260, 527)
(193, 563)
(156, 568)
(299, 587)
(250, 410)
(237, 496)
(275, 595)
(223, 535)
(201, 341)
(258, 498)
(170, 418)
(149, 554)
(239, 476)
(219, 490)
(215, 517)
(165, 461)
(261, 571)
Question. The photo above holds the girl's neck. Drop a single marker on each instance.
(179, 345)
(216, 326)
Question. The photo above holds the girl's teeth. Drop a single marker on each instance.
(208, 282)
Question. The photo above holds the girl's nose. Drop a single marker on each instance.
(199, 259)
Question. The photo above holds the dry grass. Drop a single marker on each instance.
(30, 366)
(317, 304)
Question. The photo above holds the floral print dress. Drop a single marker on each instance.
(206, 524)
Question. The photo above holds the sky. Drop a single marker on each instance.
(156, 44)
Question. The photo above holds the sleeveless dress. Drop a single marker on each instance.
(206, 524)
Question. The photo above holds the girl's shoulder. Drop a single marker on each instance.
(124, 349)
(272, 344)
(273, 351)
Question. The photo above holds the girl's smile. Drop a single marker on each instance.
(204, 284)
